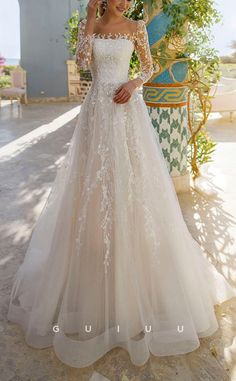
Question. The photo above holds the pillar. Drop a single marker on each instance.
(166, 98)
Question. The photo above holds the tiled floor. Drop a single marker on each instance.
(33, 142)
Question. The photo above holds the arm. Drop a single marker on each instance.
(144, 55)
(84, 44)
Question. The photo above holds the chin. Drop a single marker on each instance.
(119, 13)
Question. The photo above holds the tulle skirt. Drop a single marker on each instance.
(111, 262)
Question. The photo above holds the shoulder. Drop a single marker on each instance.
(140, 22)
(140, 32)
(139, 26)
(134, 25)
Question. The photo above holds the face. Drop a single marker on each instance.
(119, 6)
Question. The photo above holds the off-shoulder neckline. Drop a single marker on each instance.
(118, 35)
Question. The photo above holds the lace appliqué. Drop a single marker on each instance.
(99, 180)
(115, 36)
(139, 39)
(137, 188)
(84, 47)
(143, 51)
(109, 65)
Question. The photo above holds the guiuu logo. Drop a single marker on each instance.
(55, 328)
(180, 328)
(148, 328)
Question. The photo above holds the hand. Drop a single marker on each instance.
(124, 92)
(92, 9)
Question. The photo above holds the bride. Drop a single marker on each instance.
(111, 262)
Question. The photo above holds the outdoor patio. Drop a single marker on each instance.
(33, 142)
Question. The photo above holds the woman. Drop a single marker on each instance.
(111, 261)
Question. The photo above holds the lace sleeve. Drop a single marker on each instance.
(143, 51)
(84, 45)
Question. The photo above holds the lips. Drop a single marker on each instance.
(120, 10)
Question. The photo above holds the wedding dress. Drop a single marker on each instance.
(111, 262)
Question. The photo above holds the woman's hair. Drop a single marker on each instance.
(102, 7)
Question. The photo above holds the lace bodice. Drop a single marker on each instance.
(108, 56)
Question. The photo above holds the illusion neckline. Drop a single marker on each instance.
(115, 36)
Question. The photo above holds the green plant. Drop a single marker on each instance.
(5, 81)
(7, 69)
(191, 21)
(71, 32)
(206, 147)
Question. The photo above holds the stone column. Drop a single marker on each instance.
(166, 97)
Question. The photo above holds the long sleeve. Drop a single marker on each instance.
(143, 51)
(84, 47)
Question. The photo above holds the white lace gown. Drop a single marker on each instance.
(111, 262)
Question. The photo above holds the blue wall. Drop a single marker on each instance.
(43, 48)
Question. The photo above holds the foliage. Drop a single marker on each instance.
(5, 81)
(71, 32)
(200, 14)
(5, 77)
(191, 21)
(5, 73)
(7, 69)
(205, 148)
